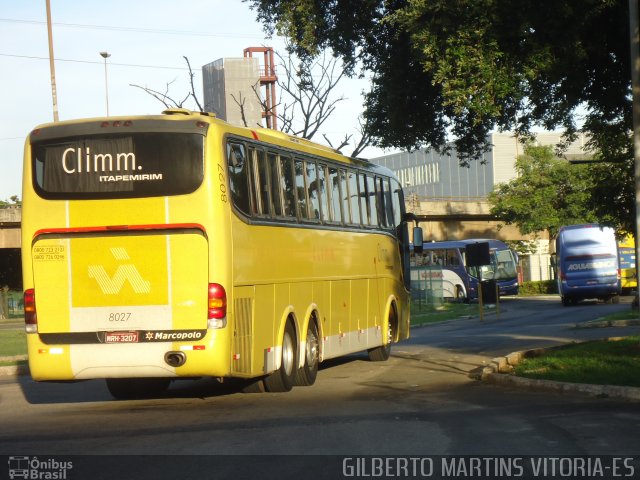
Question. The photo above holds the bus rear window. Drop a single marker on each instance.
(117, 166)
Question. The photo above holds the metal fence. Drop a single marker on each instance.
(427, 287)
(11, 304)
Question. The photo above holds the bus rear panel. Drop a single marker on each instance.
(587, 257)
(116, 258)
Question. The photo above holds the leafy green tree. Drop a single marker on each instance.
(13, 200)
(469, 66)
(547, 193)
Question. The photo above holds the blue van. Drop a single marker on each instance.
(587, 263)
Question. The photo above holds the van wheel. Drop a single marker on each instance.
(137, 388)
(306, 375)
(283, 378)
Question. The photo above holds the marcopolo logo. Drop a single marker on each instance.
(34, 468)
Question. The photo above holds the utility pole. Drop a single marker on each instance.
(52, 65)
(635, 88)
(106, 55)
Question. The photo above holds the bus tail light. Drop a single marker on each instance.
(217, 306)
(30, 315)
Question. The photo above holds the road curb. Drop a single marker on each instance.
(14, 370)
(501, 372)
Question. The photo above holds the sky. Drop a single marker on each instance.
(146, 40)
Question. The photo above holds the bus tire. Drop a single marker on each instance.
(253, 386)
(306, 375)
(136, 388)
(283, 378)
(383, 352)
(460, 296)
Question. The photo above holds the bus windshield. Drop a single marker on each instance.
(503, 266)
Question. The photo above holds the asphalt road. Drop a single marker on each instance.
(420, 402)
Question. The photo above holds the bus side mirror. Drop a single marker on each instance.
(417, 239)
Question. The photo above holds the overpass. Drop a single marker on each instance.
(458, 218)
(10, 264)
(10, 218)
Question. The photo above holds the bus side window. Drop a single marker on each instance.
(288, 191)
(364, 199)
(238, 176)
(354, 197)
(334, 188)
(372, 201)
(313, 190)
(453, 257)
(397, 204)
(261, 184)
(380, 202)
(301, 190)
(323, 188)
(276, 190)
(344, 189)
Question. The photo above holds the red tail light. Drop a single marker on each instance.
(217, 306)
(30, 315)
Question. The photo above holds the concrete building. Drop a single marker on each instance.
(451, 200)
(230, 83)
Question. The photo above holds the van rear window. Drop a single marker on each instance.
(118, 166)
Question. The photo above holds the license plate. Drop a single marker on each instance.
(121, 337)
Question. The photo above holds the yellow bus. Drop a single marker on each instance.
(177, 245)
(627, 257)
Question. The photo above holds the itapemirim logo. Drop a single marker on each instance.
(125, 272)
(33, 468)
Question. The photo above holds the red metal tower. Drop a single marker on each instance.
(268, 80)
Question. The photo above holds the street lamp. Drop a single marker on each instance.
(106, 55)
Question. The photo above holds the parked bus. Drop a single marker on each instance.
(445, 262)
(177, 245)
(627, 259)
(587, 263)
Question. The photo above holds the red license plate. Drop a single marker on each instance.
(121, 337)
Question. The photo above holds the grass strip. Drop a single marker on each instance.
(13, 342)
(601, 362)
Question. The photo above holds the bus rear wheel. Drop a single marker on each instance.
(136, 388)
(283, 378)
(306, 375)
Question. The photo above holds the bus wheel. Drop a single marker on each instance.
(134, 388)
(383, 352)
(307, 374)
(460, 296)
(282, 379)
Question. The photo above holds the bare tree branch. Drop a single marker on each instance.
(240, 102)
(193, 89)
(344, 143)
(365, 139)
(168, 101)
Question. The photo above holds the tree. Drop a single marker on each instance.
(169, 101)
(13, 200)
(472, 65)
(463, 68)
(547, 193)
(307, 99)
